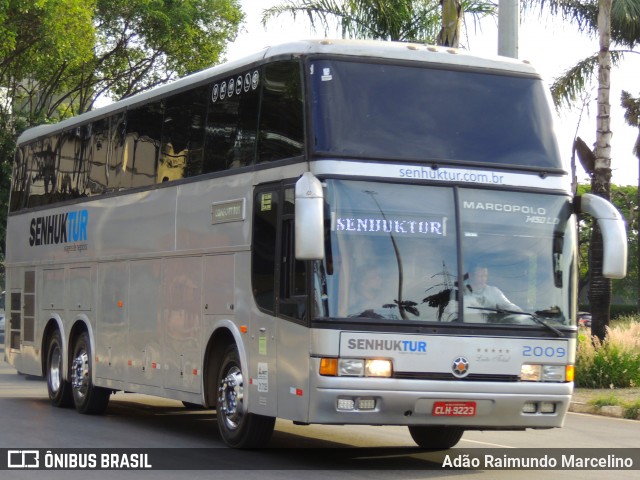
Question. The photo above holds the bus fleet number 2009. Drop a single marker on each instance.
(548, 352)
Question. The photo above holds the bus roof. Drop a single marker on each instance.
(348, 48)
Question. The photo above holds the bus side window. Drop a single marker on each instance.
(281, 133)
(19, 184)
(181, 154)
(144, 128)
(293, 273)
(70, 168)
(42, 172)
(263, 263)
(98, 162)
(232, 121)
(117, 161)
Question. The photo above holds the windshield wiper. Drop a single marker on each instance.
(534, 316)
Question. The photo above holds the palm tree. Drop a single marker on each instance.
(632, 117)
(610, 20)
(399, 20)
(600, 290)
(624, 34)
(452, 13)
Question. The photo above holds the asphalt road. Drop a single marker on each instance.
(137, 422)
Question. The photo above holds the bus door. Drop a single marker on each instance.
(280, 291)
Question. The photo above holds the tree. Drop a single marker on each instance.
(452, 14)
(398, 20)
(40, 41)
(625, 35)
(36, 39)
(617, 21)
(58, 56)
(120, 47)
(632, 117)
(600, 291)
(625, 199)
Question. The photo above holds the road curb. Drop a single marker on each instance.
(615, 411)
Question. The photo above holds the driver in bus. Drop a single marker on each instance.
(481, 300)
(479, 295)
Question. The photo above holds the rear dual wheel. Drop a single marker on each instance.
(58, 388)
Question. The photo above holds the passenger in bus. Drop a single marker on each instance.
(368, 299)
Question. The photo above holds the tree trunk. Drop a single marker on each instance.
(637, 152)
(600, 291)
(451, 23)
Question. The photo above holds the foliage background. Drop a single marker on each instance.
(57, 57)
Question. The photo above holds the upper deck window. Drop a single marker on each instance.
(415, 113)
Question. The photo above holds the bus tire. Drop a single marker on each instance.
(238, 428)
(58, 388)
(436, 438)
(88, 398)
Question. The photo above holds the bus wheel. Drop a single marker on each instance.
(238, 427)
(88, 398)
(436, 438)
(59, 389)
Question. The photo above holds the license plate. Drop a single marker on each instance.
(454, 409)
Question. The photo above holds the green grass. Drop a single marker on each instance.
(630, 410)
(606, 401)
(613, 363)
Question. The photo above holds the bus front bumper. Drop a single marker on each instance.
(472, 405)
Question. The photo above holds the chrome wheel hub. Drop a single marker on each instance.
(55, 368)
(230, 398)
(80, 373)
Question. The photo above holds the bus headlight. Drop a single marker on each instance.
(377, 368)
(350, 367)
(356, 367)
(546, 373)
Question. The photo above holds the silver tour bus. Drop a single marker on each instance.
(327, 232)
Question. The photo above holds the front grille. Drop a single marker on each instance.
(450, 377)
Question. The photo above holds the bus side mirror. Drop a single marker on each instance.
(614, 234)
(309, 218)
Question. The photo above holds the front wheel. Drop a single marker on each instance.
(88, 398)
(238, 427)
(58, 388)
(436, 438)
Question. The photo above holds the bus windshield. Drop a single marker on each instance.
(417, 113)
(396, 253)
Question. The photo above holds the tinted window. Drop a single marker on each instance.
(281, 114)
(72, 175)
(424, 114)
(41, 172)
(264, 248)
(19, 186)
(293, 278)
(98, 162)
(144, 130)
(232, 122)
(183, 132)
(117, 163)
